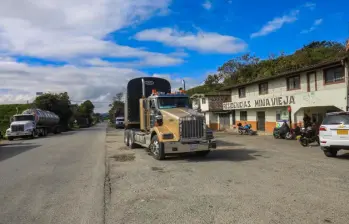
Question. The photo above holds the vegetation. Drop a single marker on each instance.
(85, 112)
(116, 108)
(247, 68)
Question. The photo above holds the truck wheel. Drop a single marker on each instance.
(157, 148)
(32, 135)
(126, 138)
(330, 152)
(202, 153)
(131, 139)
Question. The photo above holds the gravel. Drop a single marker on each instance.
(248, 179)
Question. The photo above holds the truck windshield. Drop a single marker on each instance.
(173, 102)
(23, 118)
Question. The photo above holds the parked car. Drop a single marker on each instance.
(334, 133)
(119, 122)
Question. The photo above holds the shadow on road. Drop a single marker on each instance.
(9, 150)
(234, 155)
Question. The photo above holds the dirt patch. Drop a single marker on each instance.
(123, 157)
(158, 169)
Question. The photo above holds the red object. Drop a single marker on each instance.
(289, 109)
(322, 128)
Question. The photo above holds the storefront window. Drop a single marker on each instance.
(242, 92)
(243, 115)
(334, 75)
(263, 88)
(293, 83)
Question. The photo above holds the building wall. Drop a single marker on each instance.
(326, 97)
(278, 87)
(204, 106)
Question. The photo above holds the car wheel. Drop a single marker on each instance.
(157, 148)
(330, 152)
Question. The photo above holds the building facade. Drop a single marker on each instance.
(211, 105)
(314, 91)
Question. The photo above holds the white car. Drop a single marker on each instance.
(119, 122)
(334, 133)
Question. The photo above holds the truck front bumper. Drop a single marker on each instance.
(18, 134)
(178, 147)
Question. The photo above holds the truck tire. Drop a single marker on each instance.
(330, 152)
(126, 141)
(131, 139)
(157, 148)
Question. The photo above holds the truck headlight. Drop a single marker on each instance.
(167, 136)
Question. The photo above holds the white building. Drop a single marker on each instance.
(314, 90)
(211, 105)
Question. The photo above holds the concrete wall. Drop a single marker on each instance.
(330, 94)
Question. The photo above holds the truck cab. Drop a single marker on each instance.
(167, 125)
(22, 125)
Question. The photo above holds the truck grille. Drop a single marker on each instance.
(192, 127)
(17, 128)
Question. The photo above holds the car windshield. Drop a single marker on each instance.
(336, 119)
(23, 118)
(173, 102)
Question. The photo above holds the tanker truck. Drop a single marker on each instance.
(33, 123)
(162, 121)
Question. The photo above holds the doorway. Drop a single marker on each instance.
(224, 121)
(260, 121)
(311, 81)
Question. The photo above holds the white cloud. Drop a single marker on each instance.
(98, 83)
(207, 5)
(201, 41)
(276, 24)
(310, 5)
(71, 29)
(313, 27)
(176, 82)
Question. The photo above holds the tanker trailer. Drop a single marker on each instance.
(33, 123)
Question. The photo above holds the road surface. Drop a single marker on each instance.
(57, 179)
(247, 179)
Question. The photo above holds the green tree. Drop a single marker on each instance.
(85, 110)
(116, 107)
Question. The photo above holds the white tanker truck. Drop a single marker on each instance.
(33, 123)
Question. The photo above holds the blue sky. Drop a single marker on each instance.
(92, 48)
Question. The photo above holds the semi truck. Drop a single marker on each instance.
(162, 121)
(33, 123)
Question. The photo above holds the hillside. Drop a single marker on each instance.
(247, 68)
(7, 111)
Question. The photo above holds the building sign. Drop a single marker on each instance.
(267, 102)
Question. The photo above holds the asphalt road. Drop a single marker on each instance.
(57, 179)
(248, 179)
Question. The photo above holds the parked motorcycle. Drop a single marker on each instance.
(293, 133)
(282, 131)
(245, 130)
(308, 135)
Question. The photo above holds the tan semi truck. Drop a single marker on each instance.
(162, 121)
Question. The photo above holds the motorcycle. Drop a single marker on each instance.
(308, 135)
(281, 133)
(293, 133)
(245, 130)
